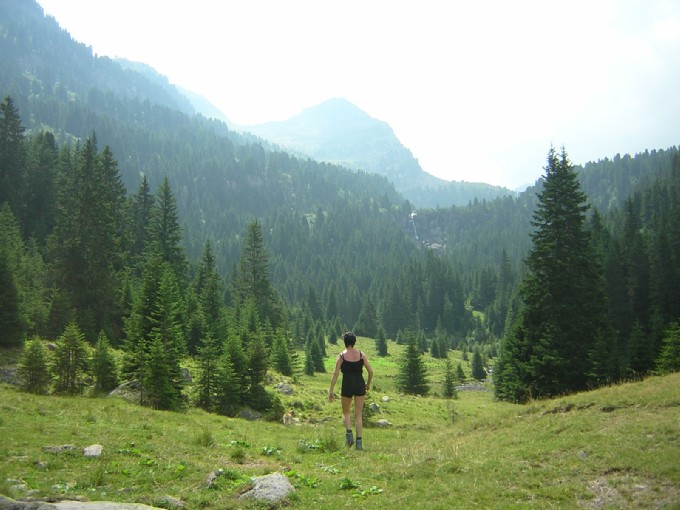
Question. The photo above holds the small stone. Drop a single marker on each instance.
(386, 398)
(582, 454)
(384, 423)
(374, 407)
(94, 450)
(271, 488)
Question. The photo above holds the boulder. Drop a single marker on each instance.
(250, 415)
(271, 488)
(285, 388)
(130, 391)
(94, 450)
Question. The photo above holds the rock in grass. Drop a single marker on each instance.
(100, 505)
(94, 450)
(271, 488)
(58, 449)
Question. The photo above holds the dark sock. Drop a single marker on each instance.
(358, 438)
(349, 431)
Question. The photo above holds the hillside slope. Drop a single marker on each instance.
(617, 447)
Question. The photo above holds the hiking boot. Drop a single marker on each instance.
(359, 445)
(349, 439)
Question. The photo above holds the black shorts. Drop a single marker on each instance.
(353, 385)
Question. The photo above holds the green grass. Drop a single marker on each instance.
(617, 447)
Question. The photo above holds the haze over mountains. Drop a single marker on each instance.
(338, 132)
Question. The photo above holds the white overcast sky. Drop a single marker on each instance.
(478, 90)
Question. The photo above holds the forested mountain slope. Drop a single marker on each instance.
(343, 244)
(336, 131)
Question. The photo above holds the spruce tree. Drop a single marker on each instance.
(11, 325)
(229, 395)
(252, 281)
(33, 370)
(563, 321)
(165, 231)
(12, 156)
(381, 342)
(449, 381)
(104, 369)
(281, 356)
(412, 376)
(208, 383)
(669, 358)
(460, 373)
(71, 361)
(477, 365)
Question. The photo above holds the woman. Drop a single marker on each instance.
(351, 362)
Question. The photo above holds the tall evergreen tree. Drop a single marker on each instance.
(412, 377)
(367, 325)
(381, 342)
(12, 156)
(477, 365)
(11, 325)
(141, 209)
(87, 239)
(33, 369)
(166, 233)
(104, 369)
(71, 361)
(563, 319)
(449, 381)
(669, 358)
(208, 383)
(252, 282)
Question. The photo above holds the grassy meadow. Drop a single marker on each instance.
(617, 447)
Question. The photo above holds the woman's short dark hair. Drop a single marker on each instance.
(349, 338)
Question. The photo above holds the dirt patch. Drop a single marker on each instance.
(625, 490)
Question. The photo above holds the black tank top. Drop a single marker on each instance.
(349, 367)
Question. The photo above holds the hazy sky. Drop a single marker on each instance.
(478, 90)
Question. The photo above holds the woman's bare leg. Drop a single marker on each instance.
(346, 408)
(358, 414)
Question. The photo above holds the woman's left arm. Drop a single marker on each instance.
(369, 369)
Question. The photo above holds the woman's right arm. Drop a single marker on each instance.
(331, 396)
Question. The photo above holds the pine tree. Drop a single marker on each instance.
(229, 395)
(412, 377)
(33, 370)
(258, 362)
(460, 373)
(104, 369)
(477, 365)
(166, 331)
(252, 278)
(367, 325)
(11, 325)
(159, 390)
(381, 342)
(549, 350)
(669, 358)
(71, 361)
(12, 156)
(208, 383)
(142, 206)
(310, 365)
(166, 233)
(87, 240)
(449, 381)
(281, 356)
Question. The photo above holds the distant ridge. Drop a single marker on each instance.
(337, 131)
